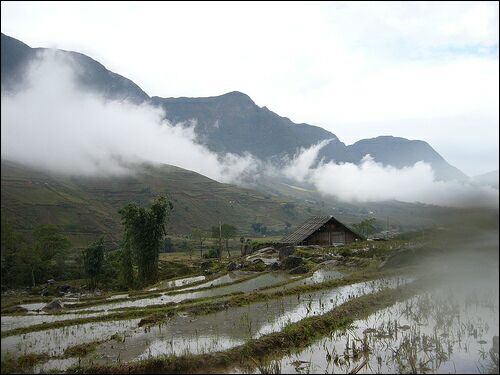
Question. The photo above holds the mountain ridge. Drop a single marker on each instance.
(232, 122)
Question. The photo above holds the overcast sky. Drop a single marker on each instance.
(415, 70)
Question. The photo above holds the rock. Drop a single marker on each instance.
(299, 270)
(65, 288)
(285, 252)
(232, 266)
(275, 266)
(97, 292)
(51, 281)
(53, 305)
(292, 262)
(44, 292)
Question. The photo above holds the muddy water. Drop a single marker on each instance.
(446, 331)
(226, 329)
(263, 280)
(317, 277)
(228, 278)
(12, 322)
(180, 282)
(55, 341)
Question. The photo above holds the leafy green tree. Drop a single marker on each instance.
(20, 263)
(200, 236)
(93, 259)
(53, 248)
(365, 227)
(168, 245)
(228, 231)
(259, 228)
(144, 231)
(127, 276)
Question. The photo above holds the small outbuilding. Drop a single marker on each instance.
(322, 231)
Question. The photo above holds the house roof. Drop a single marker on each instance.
(310, 226)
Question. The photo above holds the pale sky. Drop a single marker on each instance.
(425, 71)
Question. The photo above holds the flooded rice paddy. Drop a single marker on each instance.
(449, 330)
(189, 334)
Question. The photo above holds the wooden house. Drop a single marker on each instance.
(322, 231)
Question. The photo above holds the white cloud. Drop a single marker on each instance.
(300, 166)
(372, 181)
(56, 126)
(351, 68)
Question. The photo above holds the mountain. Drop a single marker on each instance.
(397, 152)
(85, 208)
(490, 178)
(232, 122)
(16, 57)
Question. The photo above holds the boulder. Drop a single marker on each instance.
(275, 266)
(286, 251)
(64, 288)
(292, 262)
(232, 266)
(53, 305)
(299, 270)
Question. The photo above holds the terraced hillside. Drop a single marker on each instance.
(86, 207)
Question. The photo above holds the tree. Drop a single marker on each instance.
(168, 245)
(259, 228)
(365, 227)
(52, 246)
(127, 277)
(228, 231)
(200, 236)
(144, 231)
(93, 259)
(20, 263)
(242, 242)
(217, 236)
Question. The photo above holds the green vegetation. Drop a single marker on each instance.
(144, 231)
(365, 227)
(200, 236)
(93, 259)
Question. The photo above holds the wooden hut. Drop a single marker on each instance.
(322, 231)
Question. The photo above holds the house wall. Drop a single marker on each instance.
(329, 234)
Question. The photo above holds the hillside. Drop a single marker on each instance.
(84, 208)
(231, 122)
